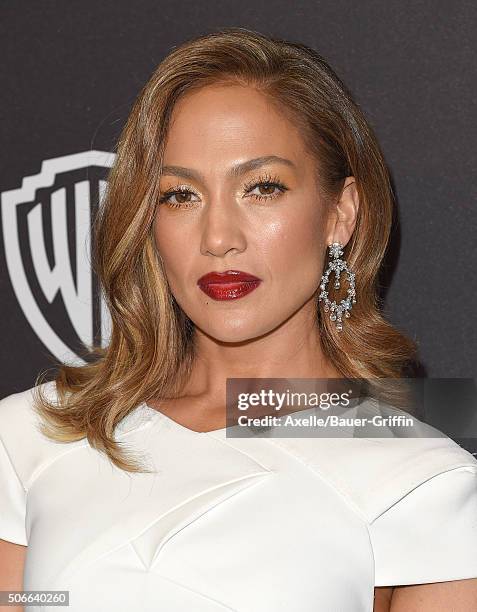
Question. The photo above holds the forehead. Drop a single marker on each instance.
(225, 123)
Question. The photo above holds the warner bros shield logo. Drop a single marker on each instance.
(47, 237)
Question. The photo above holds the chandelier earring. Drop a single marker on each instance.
(337, 265)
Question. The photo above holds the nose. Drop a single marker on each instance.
(222, 230)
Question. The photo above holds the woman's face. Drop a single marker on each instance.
(265, 218)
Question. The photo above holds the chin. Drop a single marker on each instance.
(237, 330)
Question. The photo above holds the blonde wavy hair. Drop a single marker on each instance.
(151, 349)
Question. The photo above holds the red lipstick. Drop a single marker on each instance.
(228, 285)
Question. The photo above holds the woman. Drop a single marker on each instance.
(243, 159)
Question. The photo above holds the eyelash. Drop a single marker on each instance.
(266, 180)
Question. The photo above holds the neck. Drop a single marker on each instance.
(293, 350)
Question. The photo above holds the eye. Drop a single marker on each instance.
(268, 188)
(181, 193)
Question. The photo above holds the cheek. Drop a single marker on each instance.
(293, 248)
(170, 244)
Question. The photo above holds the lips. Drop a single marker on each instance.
(228, 285)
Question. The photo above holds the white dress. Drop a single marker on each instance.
(245, 524)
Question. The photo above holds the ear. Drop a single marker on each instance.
(343, 215)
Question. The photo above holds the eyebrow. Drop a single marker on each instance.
(234, 171)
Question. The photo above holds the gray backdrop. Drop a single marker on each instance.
(70, 71)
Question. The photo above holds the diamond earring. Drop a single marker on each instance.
(338, 265)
